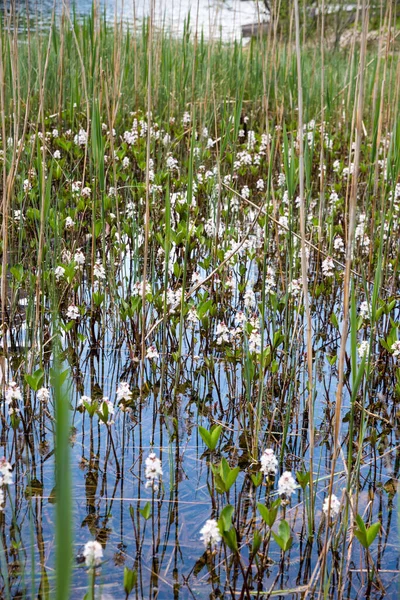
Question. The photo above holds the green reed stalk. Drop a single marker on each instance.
(63, 517)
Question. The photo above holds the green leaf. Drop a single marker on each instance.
(210, 438)
(35, 380)
(230, 539)
(225, 518)
(257, 478)
(283, 538)
(256, 542)
(334, 320)
(130, 578)
(146, 511)
(205, 436)
(303, 478)
(231, 478)
(269, 515)
(372, 532)
(215, 434)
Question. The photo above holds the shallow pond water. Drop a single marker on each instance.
(215, 18)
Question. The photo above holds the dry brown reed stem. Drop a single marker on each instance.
(322, 158)
(304, 263)
(347, 275)
(147, 216)
(41, 120)
(5, 201)
(8, 179)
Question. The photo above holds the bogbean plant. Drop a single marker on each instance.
(214, 132)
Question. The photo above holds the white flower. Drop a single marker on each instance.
(328, 267)
(364, 310)
(81, 138)
(76, 187)
(43, 394)
(222, 333)
(93, 553)
(294, 287)
(79, 257)
(395, 348)
(254, 342)
(69, 223)
(269, 462)
(186, 119)
(57, 154)
(73, 312)
(260, 184)
(286, 484)
(84, 400)
(245, 192)
(123, 392)
(249, 298)
(137, 288)
(335, 506)
(99, 271)
(338, 244)
(152, 352)
(363, 348)
(210, 533)
(18, 216)
(196, 277)
(172, 164)
(59, 273)
(2, 500)
(13, 392)
(192, 315)
(5, 470)
(153, 471)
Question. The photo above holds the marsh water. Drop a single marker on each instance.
(213, 18)
(166, 549)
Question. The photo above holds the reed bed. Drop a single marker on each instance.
(199, 310)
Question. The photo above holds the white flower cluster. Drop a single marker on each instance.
(99, 271)
(85, 400)
(395, 348)
(328, 267)
(364, 310)
(93, 553)
(363, 349)
(152, 353)
(137, 288)
(210, 533)
(13, 392)
(123, 392)
(295, 287)
(43, 395)
(73, 312)
(5, 479)
(269, 462)
(286, 485)
(80, 138)
(338, 244)
(335, 506)
(153, 471)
